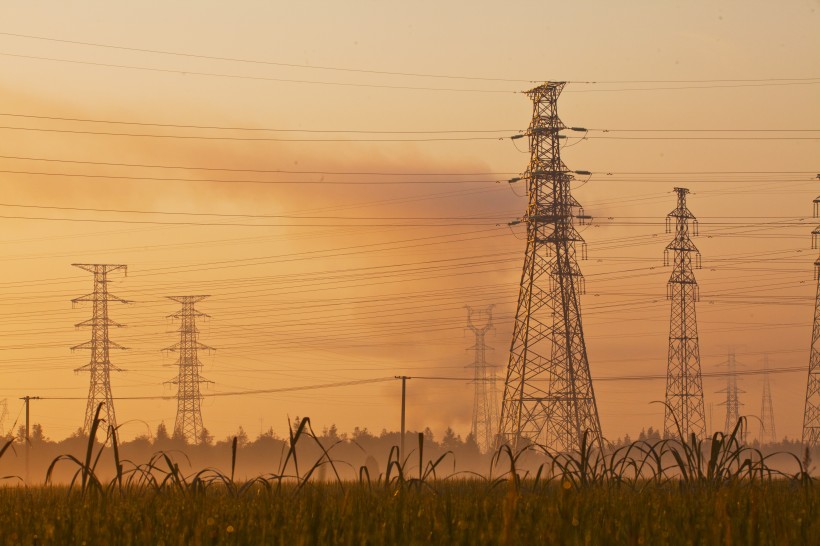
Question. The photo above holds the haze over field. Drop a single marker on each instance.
(299, 163)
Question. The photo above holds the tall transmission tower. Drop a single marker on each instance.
(100, 366)
(732, 392)
(768, 433)
(485, 403)
(548, 396)
(811, 412)
(684, 384)
(189, 410)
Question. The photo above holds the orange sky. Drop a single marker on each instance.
(365, 287)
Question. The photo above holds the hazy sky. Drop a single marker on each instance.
(321, 278)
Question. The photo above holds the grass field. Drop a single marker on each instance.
(714, 491)
(466, 512)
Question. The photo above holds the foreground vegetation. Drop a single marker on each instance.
(453, 512)
(668, 492)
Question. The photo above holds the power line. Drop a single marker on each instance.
(650, 377)
(768, 83)
(382, 72)
(255, 129)
(254, 78)
(684, 137)
(256, 139)
(261, 62)
(389, 132)
(325, 182)
(239, 224)
(245, 392)
(627, 378)
(691, 130)
(288, 216)
(382, 173)
(185, 72)
(371, 140)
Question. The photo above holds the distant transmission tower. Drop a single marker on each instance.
(684, 385)
(811, 413)
(485, 406)
(548, 397)
(4, 414)
(100, 365)
(732, 402)
(189, 411)
(768, 434)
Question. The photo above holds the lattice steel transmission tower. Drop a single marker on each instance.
(768, 433)
(100, 365)
(684, 384)
(485, 401)
(811, 412)
(189, 399)
(4, 414)
(732, 392)
(548, 396)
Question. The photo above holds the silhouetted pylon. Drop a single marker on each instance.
(548, 396)
(100, 366)
(4, 413)
(485, 403)
(811, 412)
(684, 384)
(732, 392)
(768, 433)
(189, 398)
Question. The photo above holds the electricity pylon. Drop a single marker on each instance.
(189, 410)
(548, 396)
(485, 406)
(811, 412)
(732, 392)
(4, 414)
(100, 365)
(768, 433)
(684, 384)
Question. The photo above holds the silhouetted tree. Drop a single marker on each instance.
(360, 434)
(161, 437)
(428, 436)
(450, 441)
(205, 437)
(331, 433)
(241, 437)
(470, 447)
(178, 439)
(37, 433)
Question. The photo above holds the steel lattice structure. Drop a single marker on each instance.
(4, 413)
(768, 432)
(189, 399)
(485, 404)
(685, 412)
(732, 392)
(100, 365)
(548, 396)
(811, 412)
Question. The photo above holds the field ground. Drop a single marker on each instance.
(469, 512)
